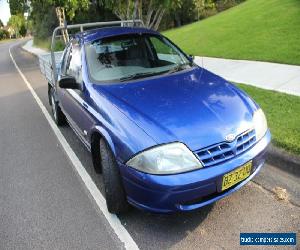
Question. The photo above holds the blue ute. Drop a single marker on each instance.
(166, 134)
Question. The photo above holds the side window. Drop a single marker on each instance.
(165, 52)
(64, 60)
(73, 62)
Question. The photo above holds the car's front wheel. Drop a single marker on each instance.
(114, 191)
(57, 114)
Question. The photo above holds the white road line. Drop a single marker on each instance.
(113, 220)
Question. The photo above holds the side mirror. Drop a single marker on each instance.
(68, 82)
(191, 58)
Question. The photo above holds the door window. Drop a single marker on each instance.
(73, 63)
(65, 60)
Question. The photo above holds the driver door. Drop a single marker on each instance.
(73, 101)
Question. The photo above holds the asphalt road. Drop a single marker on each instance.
(44, 205)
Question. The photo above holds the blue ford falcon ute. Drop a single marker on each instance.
(166, 134)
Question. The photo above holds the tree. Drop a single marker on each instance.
(44, 16)
(71, 6)
(16, 22)
(183, 14)
(150, 11)
(1, 24)
(17, 6)
(203, 6)
(154, 13)
(23, 30)
(43, 19)
(97, 11)
(4, 34)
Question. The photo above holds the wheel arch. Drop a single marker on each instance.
(96, 134)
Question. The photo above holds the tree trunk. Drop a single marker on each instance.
(177, 20)
(149, 14)
(120, 15)
(140, 8)
(99, 9)
(135, 9)
(159, 19)
(128, 10)
(155, 18)
(60, 13)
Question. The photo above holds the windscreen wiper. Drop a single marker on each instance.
(138, 75)
(178, 67)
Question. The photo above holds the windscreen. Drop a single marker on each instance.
(130, 57)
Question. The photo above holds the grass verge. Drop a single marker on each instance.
(264, 30)
(7, 40)
(283, 115)
(46, 44)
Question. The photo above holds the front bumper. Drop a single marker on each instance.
(190, 190)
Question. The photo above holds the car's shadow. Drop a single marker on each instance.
(167, 229)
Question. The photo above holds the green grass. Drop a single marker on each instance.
(46, 44)
(43, 44)
(7, 40)
(283, 115)
(266, 30)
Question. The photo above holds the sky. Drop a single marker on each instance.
(4, 11)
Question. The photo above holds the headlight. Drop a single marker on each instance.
(260, 124)
(166, 159)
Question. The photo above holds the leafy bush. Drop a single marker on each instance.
(23, 31)
(3, 34)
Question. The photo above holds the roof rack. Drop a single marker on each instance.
(81, 26)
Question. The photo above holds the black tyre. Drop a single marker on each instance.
(58, 115)
(114, 190)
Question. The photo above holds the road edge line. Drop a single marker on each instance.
(112, 219)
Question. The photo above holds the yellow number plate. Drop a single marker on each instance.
(236, 176)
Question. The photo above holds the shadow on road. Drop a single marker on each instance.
(167, 229)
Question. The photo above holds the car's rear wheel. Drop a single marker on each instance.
(57, 114)
(114, 191)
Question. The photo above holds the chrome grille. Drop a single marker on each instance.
(226, 150)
